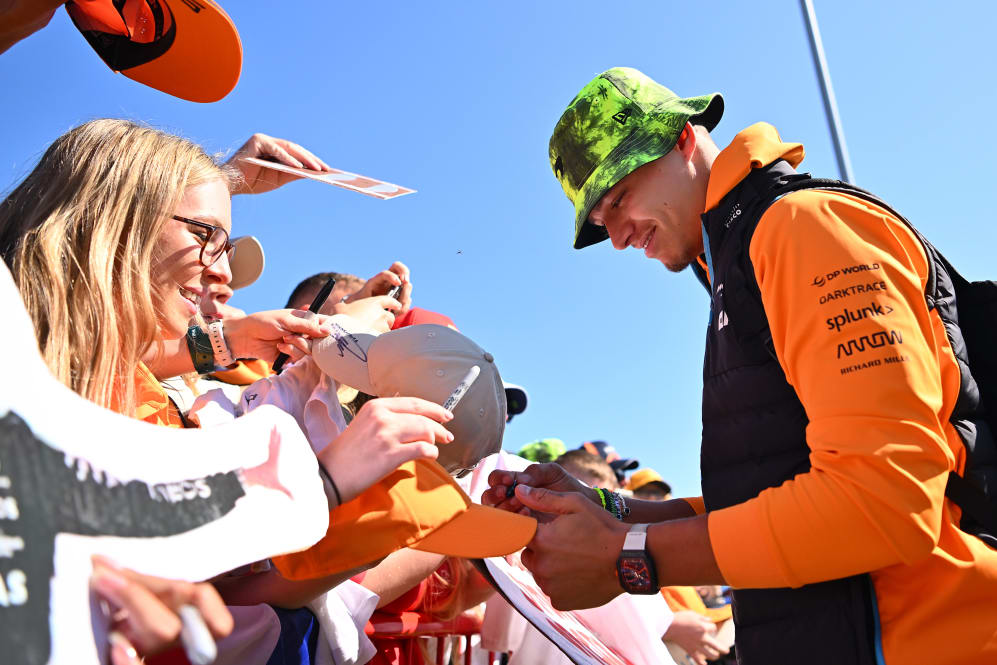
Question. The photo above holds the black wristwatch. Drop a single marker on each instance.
(635, 567)
(201, 352)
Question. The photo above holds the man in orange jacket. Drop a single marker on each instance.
(830, 419)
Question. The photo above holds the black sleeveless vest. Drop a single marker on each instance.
(754, 435)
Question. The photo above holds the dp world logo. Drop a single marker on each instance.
(818, 281)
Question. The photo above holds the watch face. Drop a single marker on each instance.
(635, 576)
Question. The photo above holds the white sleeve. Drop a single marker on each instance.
(213, 408)
(288, 390)
(323, 418)
(303, 391)
(342, 614)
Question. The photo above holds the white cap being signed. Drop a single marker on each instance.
(427, 361)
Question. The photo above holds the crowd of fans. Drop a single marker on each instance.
(840, 488)
(156, 280)
(120, 243)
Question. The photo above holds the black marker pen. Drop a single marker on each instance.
(316, 305)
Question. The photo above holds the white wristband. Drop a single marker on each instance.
(223, 356)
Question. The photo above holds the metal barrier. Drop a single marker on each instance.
(407, 625)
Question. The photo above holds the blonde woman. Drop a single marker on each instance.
(110, 240)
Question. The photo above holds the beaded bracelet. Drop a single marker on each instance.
(602, 497)
(614, 503)
(623, 510)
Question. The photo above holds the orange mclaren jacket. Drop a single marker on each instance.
(832, 268)
(152, 404)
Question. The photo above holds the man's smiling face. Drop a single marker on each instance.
(656, 208)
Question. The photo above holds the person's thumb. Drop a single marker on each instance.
(547, 501)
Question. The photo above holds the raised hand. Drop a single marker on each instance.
(257, 179)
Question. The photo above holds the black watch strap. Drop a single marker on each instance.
(201, 352)
(635, 567)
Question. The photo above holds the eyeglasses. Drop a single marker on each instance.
(213, 244)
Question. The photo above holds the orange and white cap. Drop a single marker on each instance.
(427, 361)
(186, 48)
(418, 506)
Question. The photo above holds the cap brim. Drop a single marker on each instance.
(642, 478)
(247, 263)
(645, 145)
(711, 115)
(515, 399)
(480, 532)
(419, 506)
(628, 464)
(205, 60)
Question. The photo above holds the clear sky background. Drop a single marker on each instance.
(457, 100)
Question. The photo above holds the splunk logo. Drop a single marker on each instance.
(821, 280)
(873, 341)
(839, 321)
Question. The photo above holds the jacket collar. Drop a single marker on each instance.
(756, 146)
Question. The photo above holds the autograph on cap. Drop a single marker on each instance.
(343, 339)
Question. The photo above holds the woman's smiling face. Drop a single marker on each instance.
(177, 273)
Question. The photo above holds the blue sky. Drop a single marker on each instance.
(458, 100)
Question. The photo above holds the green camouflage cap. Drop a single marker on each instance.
(618, 122)
(543, 450)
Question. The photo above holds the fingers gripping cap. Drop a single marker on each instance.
(618, 122)
(426, 361)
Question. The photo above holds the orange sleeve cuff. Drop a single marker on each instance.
(696, 503)
(745, 553)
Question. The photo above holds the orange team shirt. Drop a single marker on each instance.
(151, 402)
(833, 271)
(153, 405)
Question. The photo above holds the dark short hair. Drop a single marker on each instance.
(315, 282)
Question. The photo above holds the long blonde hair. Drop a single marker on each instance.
(79, 235)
